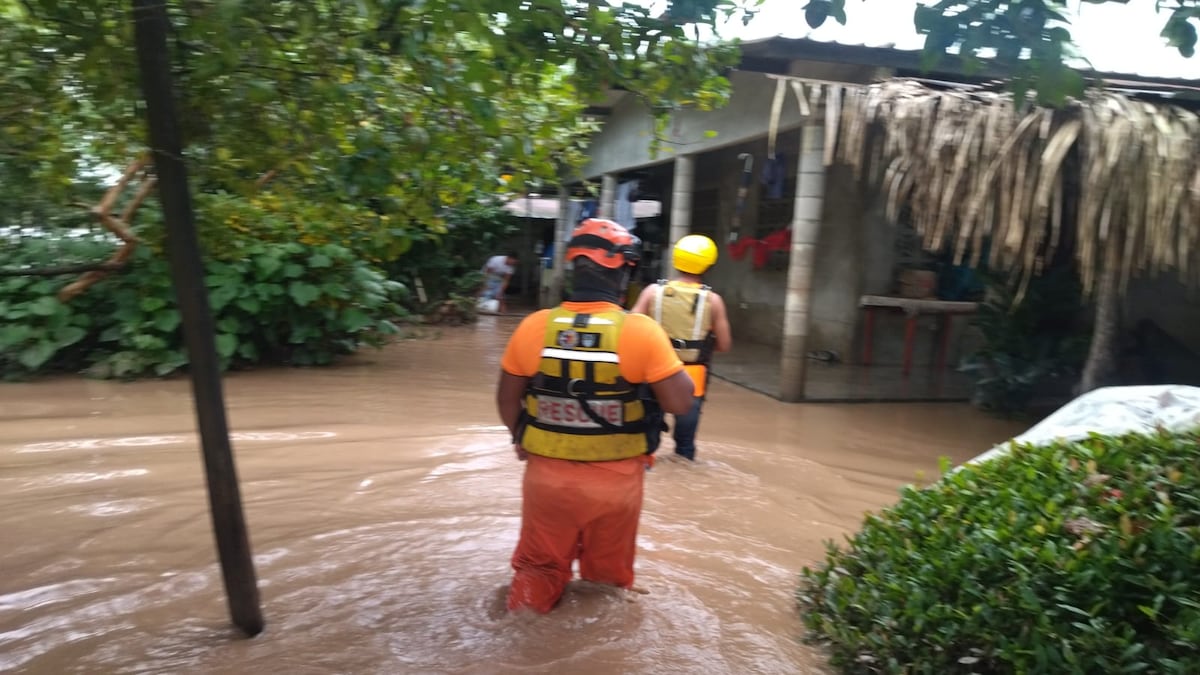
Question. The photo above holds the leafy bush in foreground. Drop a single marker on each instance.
(1078, 557)
(276, 303)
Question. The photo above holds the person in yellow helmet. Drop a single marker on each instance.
(695, 319)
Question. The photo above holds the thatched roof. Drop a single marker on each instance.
(1118, 177)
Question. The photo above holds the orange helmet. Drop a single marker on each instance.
(605, 243)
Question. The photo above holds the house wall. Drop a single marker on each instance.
(838, 274)
(857, 255)
(856, 249)
(754, 297)
(856, 243)
(624, 142)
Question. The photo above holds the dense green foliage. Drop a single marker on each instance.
(282, 302)
(325, 140)
(1029, 341)
(448, 266)
(1078, 557)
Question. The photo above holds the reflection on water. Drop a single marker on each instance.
(383, 502)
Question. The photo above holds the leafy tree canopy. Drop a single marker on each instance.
(407, 106)
(1029, 39)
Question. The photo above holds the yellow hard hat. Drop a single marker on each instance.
(694, 254)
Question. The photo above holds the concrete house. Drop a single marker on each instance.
(800, 333)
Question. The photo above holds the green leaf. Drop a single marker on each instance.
(249, 303)
(68, 335)
(170, 364)
(229, 324)
(36, 354)
(303, 293)
(1181, 34)
(319, 260)
(248, 351)
(267, 265)
(354, 320)
(14, 334)
(837, 9)
(925, 18)
(221, 296)
(45, 306)
(292, 271)
(167, 320)
(152, 303)
(227, 344)
(816, 12)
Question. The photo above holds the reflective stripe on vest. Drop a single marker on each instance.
(684, 312)
(578, 405)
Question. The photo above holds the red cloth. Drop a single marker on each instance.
(780, 240)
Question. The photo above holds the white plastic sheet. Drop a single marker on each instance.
(1114, 411)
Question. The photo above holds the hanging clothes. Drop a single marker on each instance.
(588, 209)
(774, 176)
(780, 240)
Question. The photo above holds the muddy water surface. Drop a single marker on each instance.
(383, 503)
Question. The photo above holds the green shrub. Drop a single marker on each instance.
(278, 303)
(1030, 343)
(37, 332)
(1078, 557)
(449, 265)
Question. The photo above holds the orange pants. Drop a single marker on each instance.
(575, 510)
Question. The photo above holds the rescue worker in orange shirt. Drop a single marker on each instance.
(695, 319)
(582, 389)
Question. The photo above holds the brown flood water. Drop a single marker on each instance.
(383, 503)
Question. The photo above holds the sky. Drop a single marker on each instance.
(1114, 37)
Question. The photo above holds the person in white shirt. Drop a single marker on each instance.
(497, 272)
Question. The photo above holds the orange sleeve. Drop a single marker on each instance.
(645, 351)
(524, 350)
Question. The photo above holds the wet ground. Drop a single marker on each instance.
(383, 504)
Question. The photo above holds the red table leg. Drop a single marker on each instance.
(910, 334)
(868, 333)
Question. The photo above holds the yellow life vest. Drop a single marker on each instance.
(685, 313)
(578, 406)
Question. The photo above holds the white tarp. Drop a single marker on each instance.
(547, 209)
(1114, 411)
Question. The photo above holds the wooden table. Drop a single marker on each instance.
(912, 309)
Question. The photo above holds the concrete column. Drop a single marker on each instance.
(562, 230)
(806, 225)
(681, 205)
(608, 195)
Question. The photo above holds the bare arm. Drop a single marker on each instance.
(645, 300)
(674, 394)
(509, 392)
(721, 330)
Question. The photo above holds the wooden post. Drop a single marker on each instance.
(151, 26)
(1102, 354)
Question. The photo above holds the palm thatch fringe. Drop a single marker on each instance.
(974, 169)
